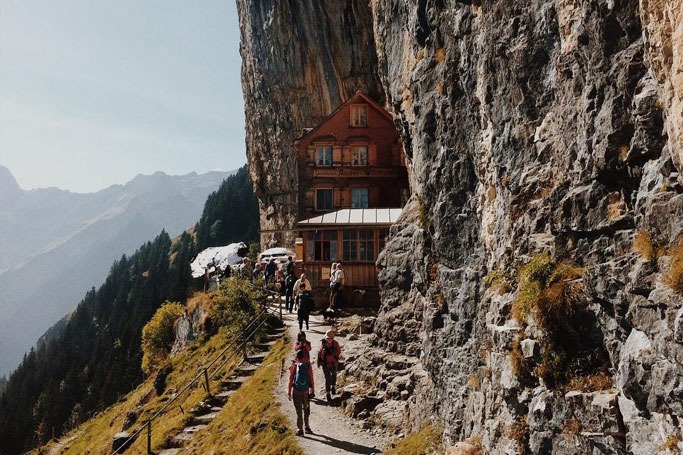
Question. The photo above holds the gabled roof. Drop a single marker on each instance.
(354, 99)
(354, 217)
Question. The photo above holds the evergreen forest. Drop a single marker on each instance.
(91, 358)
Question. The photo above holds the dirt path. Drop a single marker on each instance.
(334, 432)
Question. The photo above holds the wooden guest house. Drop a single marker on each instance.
(352, 184)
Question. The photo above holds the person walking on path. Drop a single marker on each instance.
(303, 280)
(328, 359)
(289, 291)
(304, 302)
(300, 387)
(302, 344)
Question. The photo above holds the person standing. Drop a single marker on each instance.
(304, 302)
(333, 283)
(328, 359)
(303, 280)
(271, 268)
(298, 390)
(339, 280)
(289, 291)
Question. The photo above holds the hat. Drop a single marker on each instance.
(330, 334)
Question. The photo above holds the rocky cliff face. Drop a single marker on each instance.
(543, 136)
(301, 60)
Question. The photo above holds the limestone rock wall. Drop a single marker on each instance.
(541, 126)
(301, 59)
(529, 127)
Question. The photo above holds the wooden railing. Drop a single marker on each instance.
(237, 346)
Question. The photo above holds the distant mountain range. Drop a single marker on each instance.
(55, 245)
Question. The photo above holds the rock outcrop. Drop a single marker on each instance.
(540, 129)
(301, 60)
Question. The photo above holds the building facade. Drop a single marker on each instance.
(351, 175)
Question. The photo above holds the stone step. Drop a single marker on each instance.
(203, 419)
(264, 346)
(234, 383)
(173, 451)
(245, 370)
(256, 358)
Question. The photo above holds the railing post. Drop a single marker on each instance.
(206, 379)
(149, 438)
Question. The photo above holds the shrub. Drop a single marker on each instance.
(158, 335)
(425, 441)
(670, 443)
(646, 247)
(498, 282)
(440, 55)
(674, 276)
(236, 303)
(590, 383)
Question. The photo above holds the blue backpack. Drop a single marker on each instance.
(301, 380)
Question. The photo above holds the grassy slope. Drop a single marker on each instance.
(246, 409)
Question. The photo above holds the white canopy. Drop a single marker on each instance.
(217, 256)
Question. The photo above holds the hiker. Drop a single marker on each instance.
(271, 268)
(289, 291)
(289, 266)
(328, 359)
(305, 305)
(299, 389)
(303, 280)
(280, 281)
(302, 344)
(333, 282)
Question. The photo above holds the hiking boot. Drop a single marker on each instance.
(329, 398)
(299, 432)
(308, 430)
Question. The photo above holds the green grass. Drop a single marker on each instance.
(424, 442)
(254, 423)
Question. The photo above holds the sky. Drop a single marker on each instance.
(94, 92)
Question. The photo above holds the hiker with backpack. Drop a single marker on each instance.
(304, 301)
(300, 387)
(328, 359)
(302, 344)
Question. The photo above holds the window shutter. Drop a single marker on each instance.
(337, 198)
(310, 200)
(373, 197)
(311, 156)
(372, 155)
(336, 156)
(346, 156)
(346, 199)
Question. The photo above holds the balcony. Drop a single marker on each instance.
(358, 172)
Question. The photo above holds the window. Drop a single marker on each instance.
(359, 156)
(323, 156)
(358, 245)
(359, 198)
(359, 115)
(366, 245)
(323, 199)
(350, 245)
(321, 246)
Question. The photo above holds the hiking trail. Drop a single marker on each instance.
(333, 431)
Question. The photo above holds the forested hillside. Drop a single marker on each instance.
(95, 356)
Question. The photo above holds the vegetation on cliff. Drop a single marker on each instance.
(96, 356)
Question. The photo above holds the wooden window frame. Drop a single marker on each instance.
(357, 119)
(317, 208)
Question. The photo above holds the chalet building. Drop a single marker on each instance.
(352, 183)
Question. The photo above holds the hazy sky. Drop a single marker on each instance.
(94, 92)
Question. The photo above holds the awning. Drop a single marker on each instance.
(354, 217)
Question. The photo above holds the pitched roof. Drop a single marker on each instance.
(351, 100)
(354, 217)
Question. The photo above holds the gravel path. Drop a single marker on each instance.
(334, 432)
